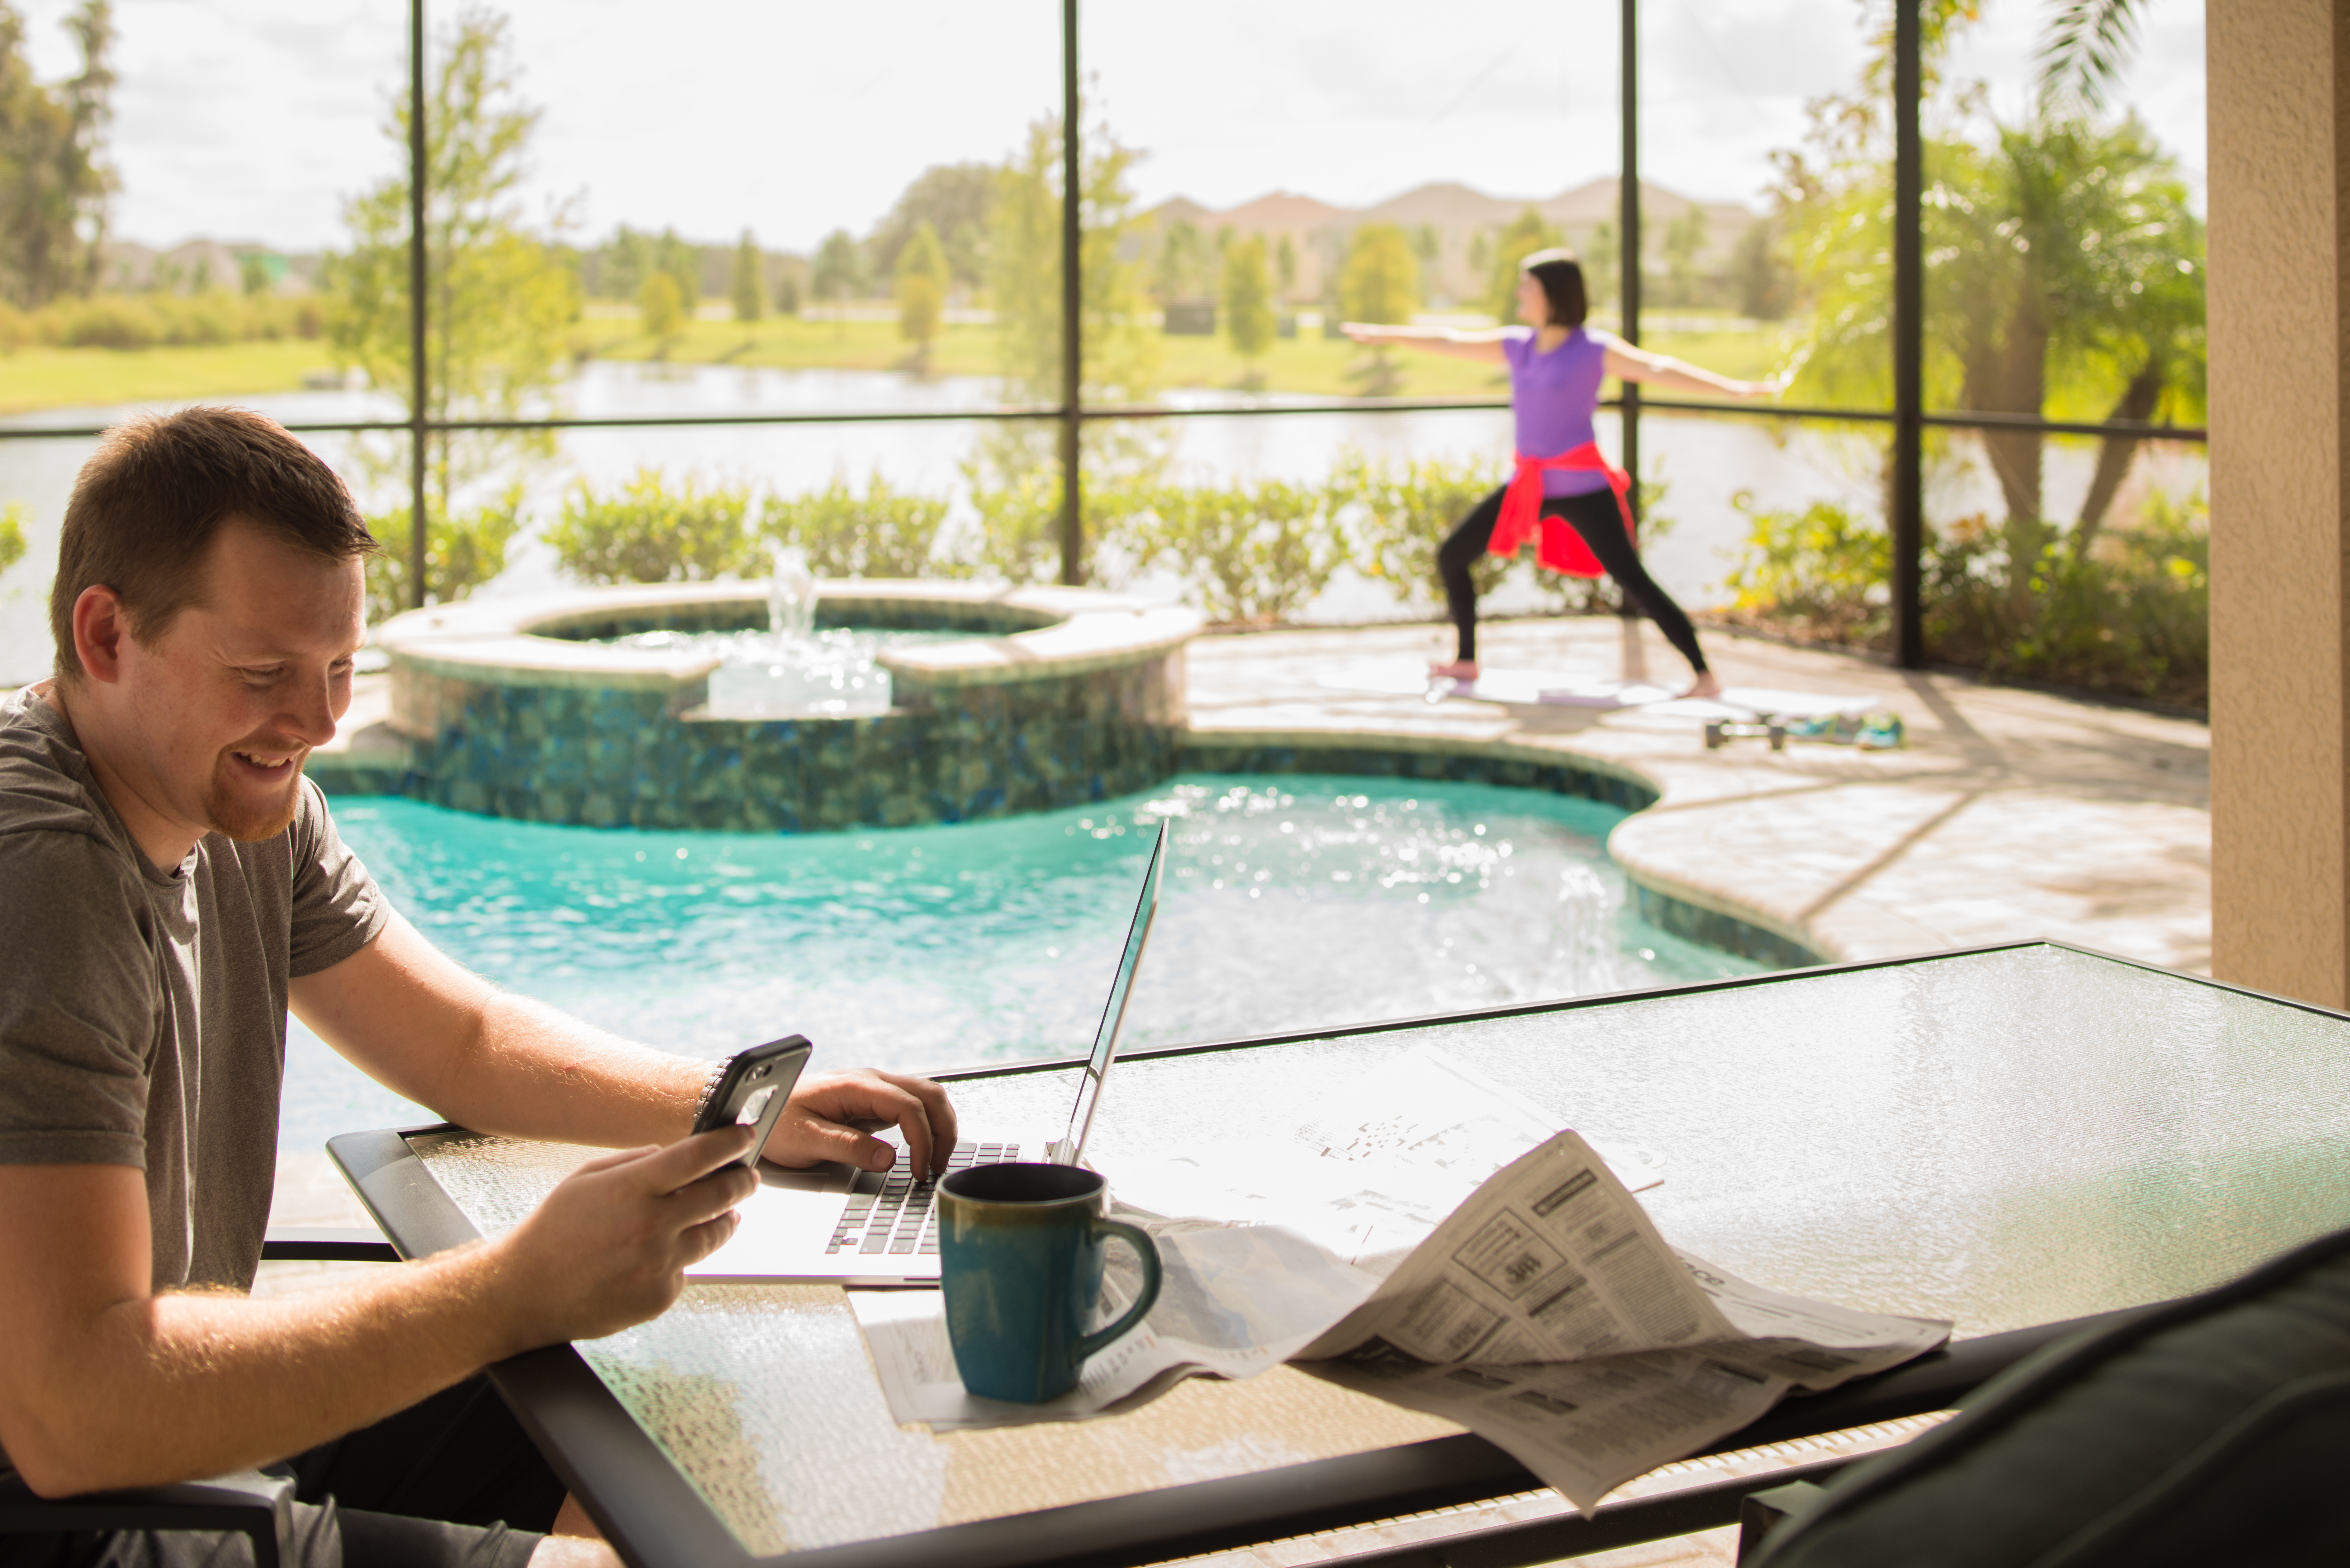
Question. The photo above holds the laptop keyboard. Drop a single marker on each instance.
(890, 1212)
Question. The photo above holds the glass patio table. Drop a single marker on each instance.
(2012, 1137)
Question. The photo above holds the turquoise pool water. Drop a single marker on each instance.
(1289, 903)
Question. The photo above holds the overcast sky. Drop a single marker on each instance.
(257, 119)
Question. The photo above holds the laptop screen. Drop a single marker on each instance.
(1081, 1116)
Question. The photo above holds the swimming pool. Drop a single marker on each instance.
(1290, 902)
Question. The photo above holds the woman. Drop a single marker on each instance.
(1557, 363)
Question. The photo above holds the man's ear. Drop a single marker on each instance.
(99, 628)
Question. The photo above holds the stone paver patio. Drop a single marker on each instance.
(2010, 815)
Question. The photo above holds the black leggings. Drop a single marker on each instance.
(1595, 517)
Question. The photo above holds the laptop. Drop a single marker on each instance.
(835, 1225)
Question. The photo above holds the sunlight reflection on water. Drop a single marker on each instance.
(1289, 903)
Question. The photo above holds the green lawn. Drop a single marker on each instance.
(1308, 365)
(34, 378)
(789, 343)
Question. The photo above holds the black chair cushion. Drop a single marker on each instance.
(2215, 1429)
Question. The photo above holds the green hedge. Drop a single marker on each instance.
(647, 532)
(162, 320)
(1253, 552)
(883, 532)
(2131, 616)
(459, 555)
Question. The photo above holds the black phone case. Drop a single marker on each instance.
(778, 1065)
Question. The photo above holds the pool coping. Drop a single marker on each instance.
(1069, 631)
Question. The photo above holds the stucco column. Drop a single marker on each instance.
(2279, 107)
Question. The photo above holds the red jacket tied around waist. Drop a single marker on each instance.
(1561, 548)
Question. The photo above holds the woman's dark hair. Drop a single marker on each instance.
(1561, 277)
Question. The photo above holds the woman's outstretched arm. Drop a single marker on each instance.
(1454, 343)
(1662, 370)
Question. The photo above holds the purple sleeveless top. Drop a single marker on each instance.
(1553, 396)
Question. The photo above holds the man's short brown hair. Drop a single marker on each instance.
(149, 502)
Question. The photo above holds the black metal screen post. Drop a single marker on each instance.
(1907, 504)
(1072, 360)
(1627, 209)
(418, 379)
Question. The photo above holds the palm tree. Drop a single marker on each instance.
(2084, 50)
(2063, 265)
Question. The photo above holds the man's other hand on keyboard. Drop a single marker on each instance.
(818, 1125)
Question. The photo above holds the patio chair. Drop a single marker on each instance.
(2209, 1430)
(257, 1506)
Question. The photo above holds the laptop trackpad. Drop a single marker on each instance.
(830, 1177)
(785, 1225)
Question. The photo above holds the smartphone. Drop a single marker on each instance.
(754, 1090)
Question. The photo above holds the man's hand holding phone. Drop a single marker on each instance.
(609, 1246)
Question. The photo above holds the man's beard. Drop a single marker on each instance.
(226, 814)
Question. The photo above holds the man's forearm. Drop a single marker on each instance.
(420, 1025)
(171, 1388)
(534, 1072)
(106, 1384)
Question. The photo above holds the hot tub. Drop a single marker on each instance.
(1058, 697)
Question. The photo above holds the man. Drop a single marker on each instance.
(169, 884)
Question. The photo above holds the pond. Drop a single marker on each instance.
(1290, 903)
(1705, 462)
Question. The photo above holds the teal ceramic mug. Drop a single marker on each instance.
(1020, 1249)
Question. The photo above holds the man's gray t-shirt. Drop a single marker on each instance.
(142, 1022)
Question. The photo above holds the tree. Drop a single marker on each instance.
(682, 262)
(747, 287)
(1285, 266)
(1121, 358)
(1381, 278)
(957, 201)
(1684, 237)
(662, 305)
(1763, 282)
(2067, 282)
(1379, 281)
(1603, 260)
(838, 271)
(1014, 472)
(921, 289)
(2084, 51)
(623, 262)
(1182, 271)
(1526, 234)
(1248, 302)
(1428, 246)
(54, 181)
(502, 299)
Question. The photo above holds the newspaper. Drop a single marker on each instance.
(1535, 1304)
(1548, 1316)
